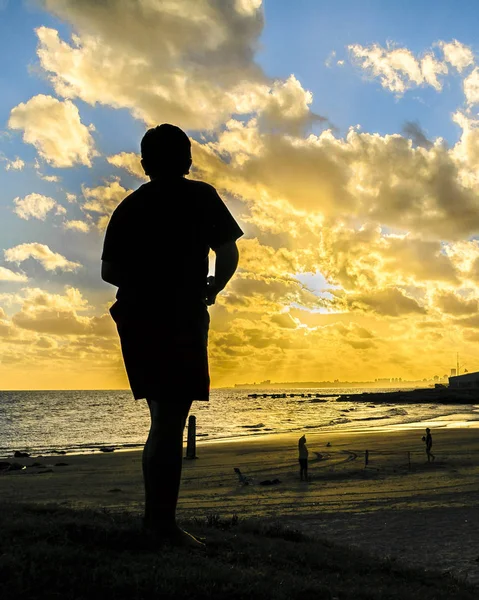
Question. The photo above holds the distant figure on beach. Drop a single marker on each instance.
(156, 252)
(428, 440)
(303, 458)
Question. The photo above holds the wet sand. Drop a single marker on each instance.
(418, 513)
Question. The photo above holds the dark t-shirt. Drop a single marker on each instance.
(160, 237)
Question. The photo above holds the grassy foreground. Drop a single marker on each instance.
(51, 552)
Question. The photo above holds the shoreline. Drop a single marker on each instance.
(330, 453)
(440, 423)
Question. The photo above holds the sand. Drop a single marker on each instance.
(421, 514)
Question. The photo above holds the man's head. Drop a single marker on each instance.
(427, 429)
(165, 150)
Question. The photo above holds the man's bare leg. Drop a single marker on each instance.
(162, 464)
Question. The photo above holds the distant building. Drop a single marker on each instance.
(468, 380)
(453, 372)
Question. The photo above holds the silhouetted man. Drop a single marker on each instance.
(156, 252)
(303, 458)
(428, 439)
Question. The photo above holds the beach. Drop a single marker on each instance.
(398, 506)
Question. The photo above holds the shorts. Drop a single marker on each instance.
(166, 353)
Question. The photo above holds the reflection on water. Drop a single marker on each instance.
(86, 420)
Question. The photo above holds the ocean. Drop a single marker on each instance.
(83, 421)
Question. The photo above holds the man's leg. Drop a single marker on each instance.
(162, 463)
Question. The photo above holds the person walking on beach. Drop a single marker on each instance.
(303, 458)
(156, 252)
(428, 439)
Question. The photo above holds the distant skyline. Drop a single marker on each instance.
(344, 137)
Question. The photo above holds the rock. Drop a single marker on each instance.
(107, 449)
(58, 451)
(18, 454)
(16, 467)
(328, 445)
(45, 471)
(4, 466)
(60, 464)
(115, 490)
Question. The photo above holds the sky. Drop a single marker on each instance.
(343, 136)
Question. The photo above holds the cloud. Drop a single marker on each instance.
(453, 304)
(330, 59)
(287, 106)
(7, 275)
(55, 129)
(198, 71)
(42, 253)
(360, 178)
(71, 197)
(361, 344)
(57, 315)
(34, 205)
(129, 161)
(471, 87)
(50, 178)
(104, 199)
(469, 321)
(284, 320)
(458, 55)
(77, 226)
(391, 302)
(416, 134)
(14, 165)
(397, 68)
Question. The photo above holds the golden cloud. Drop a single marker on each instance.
(397, 68)
(55, 129)
(34, 205)
(104, 198)
(47, 258)
(8, 275)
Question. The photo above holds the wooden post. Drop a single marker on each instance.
(366, 458)
(191, 442)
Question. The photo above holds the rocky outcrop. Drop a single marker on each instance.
(420, 396)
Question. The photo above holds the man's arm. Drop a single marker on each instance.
(227, 257)
(110, 273)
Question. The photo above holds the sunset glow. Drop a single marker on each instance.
(344, 141)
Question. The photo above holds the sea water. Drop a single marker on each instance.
(84, 421)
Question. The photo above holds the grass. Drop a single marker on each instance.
(50, 552)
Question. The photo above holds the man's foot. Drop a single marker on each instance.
(174, 536)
